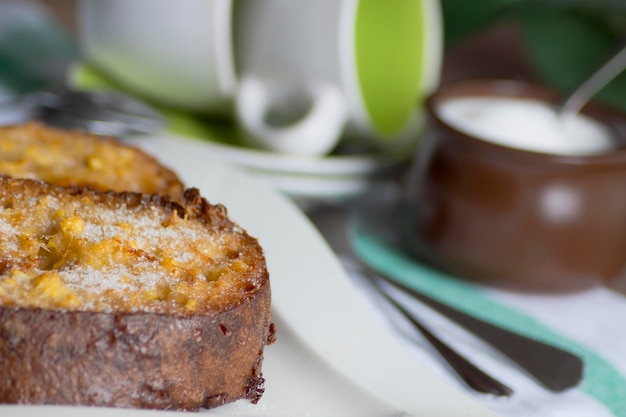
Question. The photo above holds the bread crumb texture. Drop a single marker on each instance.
(68, 158)
(93, 251)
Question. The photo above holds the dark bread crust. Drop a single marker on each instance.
(138, 360)
(192, 205)
(179, 360)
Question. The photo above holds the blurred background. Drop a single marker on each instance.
(554, 41)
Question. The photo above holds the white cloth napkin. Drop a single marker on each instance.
(589, 324)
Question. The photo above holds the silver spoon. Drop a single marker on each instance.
(590, 87)
(473, 376)
(330, 222)
(554, 368)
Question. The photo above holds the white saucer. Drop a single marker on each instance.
(333, 178)
(333, 165)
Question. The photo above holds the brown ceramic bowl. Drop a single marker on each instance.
(485, 211)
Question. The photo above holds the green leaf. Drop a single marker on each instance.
(464, 17)
(566, 46)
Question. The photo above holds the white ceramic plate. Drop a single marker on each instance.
(333, 356)
(313, 188)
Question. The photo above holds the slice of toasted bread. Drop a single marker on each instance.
(68, 158)
(127, 300)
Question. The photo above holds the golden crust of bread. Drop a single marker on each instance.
(127, 299)
(69, 158)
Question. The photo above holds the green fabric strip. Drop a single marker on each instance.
(601, 380)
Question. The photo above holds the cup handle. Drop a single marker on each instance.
(315, 132)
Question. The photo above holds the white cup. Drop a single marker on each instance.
(298, 76)
(175, 53)
(313, 72)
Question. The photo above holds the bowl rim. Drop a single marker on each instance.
(614, 119)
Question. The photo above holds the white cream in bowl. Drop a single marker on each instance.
(527, 124)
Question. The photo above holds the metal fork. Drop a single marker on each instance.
(105, 112)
